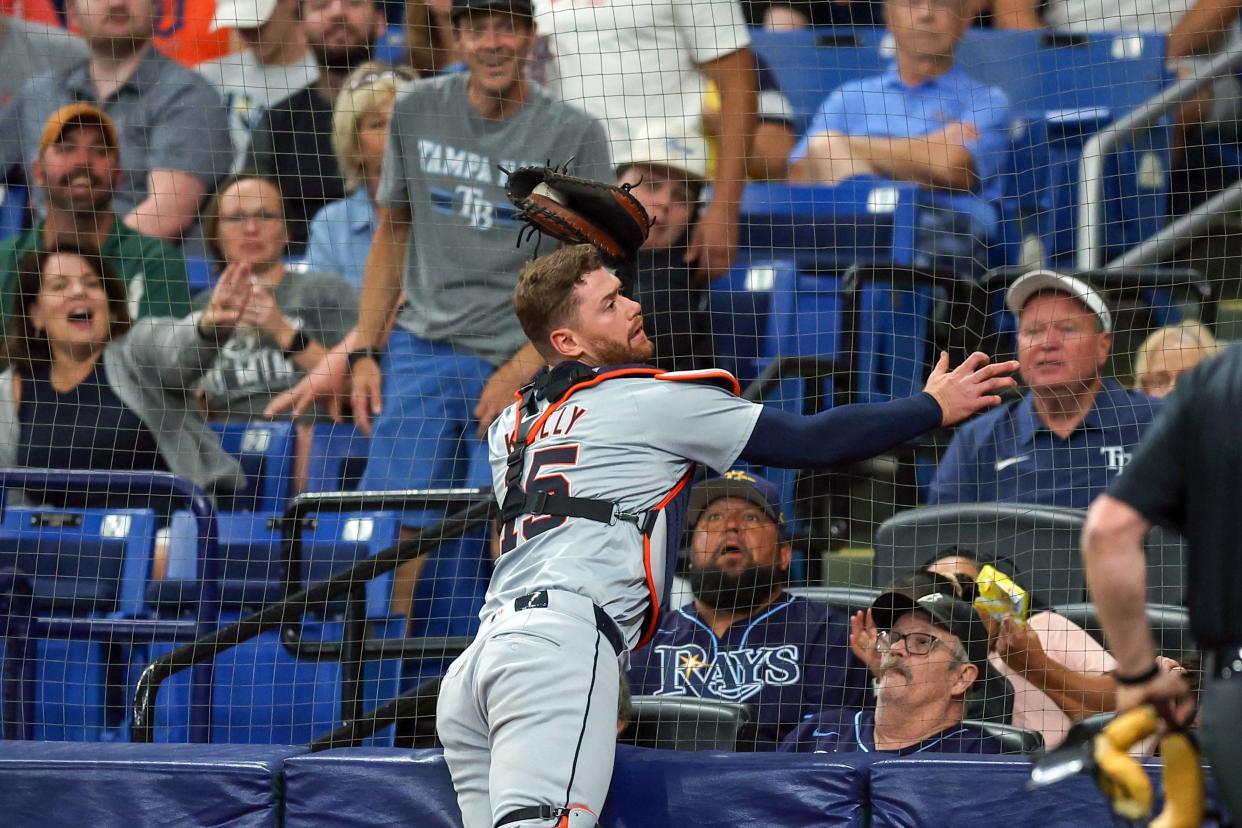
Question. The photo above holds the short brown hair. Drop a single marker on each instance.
(544, 298)
(211, 212)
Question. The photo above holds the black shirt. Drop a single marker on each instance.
(674, 309)
(1186, 475)
(85, 428)
(293, 143)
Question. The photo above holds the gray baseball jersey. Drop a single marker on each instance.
(632, 441)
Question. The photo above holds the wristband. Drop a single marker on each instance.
(364, 353)
(1141, 678)
(299, 343)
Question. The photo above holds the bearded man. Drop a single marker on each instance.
(744, 638)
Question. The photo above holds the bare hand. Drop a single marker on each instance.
(957, 133)
(365, 381)
(496, 397)
(228, 301)
(714, 242)
(263, 313)
(970, 387)
(327, 382)
(863, 635)
(1017, 644)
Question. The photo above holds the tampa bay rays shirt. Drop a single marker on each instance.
(853, 731)
(789, 660)
(1009, 455)
(633, 441)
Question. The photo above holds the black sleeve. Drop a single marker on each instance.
(1154, 481)
(844, 434)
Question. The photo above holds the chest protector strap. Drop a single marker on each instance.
(554, 385)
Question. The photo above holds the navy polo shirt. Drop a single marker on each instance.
(1009, 455)
(853, 731)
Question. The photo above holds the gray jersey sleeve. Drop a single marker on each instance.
(700, 422)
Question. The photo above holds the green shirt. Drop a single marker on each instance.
(153, 271)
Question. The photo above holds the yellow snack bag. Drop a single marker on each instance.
(998, 596)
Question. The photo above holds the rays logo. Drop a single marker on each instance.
(733, 675)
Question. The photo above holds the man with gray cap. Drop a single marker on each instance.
(1073, 432)
(275, 63)
(744, 639)
(933, 647)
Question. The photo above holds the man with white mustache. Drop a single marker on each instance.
(933, 648)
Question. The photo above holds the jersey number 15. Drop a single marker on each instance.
(539, 480)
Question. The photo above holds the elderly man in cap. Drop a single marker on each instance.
(275, 63)
(667, 171)
(744, 638)
(933, 647)
(1070, 436)
(77, 168)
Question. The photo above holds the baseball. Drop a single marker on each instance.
(547, 192)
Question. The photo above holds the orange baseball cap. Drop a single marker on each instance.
(72, 115)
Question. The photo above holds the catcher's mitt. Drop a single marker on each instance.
(580, 211)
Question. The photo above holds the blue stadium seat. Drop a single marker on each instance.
(739, 304)
(14, 210)
(82, 564)
(338, 457)
(266, 451)
(262, 694)
(200, 272)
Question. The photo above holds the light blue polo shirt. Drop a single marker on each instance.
(884, 105)
(1009, 455)
(340, 237)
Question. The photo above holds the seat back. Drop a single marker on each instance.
(1015, 739)
(82, 562)
(846, 599)
(1169, 624)
(265, 451)
(1037, 545)
(338, 457)
(685, 724)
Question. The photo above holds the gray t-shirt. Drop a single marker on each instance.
(33, 50)
(249, 88)
(443, 161)
(168, 118)
(632, 441)
(249, 372)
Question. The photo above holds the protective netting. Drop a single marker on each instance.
(258, 264)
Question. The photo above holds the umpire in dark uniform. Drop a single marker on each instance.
(1186, 475)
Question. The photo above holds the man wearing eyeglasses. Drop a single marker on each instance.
(933, 647)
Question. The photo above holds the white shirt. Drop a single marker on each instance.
(1115, 15)
(628, 61)
(249, 88)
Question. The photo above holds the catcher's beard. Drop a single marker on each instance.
(751, 587)
(621, 353)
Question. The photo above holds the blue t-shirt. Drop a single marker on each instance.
(1009, 455)
(884, 105)
(791, 659)
(853, 731)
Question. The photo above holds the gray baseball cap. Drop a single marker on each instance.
(1030, 284)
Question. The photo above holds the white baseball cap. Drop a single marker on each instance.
(661, 144)
(1030, 284)
(242, 14)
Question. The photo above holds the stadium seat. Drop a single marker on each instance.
(1169, 624)
(200, 272)
(684, 723)
(265, 451)
(1038, 545)
(739, 304)
(1015, 739)
(81, 564)
(338, 457)
(846, 599)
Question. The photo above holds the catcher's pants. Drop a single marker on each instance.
(528, 714)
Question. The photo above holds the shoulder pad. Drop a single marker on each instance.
(711, 376)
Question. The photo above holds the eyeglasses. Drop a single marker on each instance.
(916, 643)
(262, 217)
(397, 74)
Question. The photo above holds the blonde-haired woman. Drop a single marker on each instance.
(1168, 353)
(340, 234)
